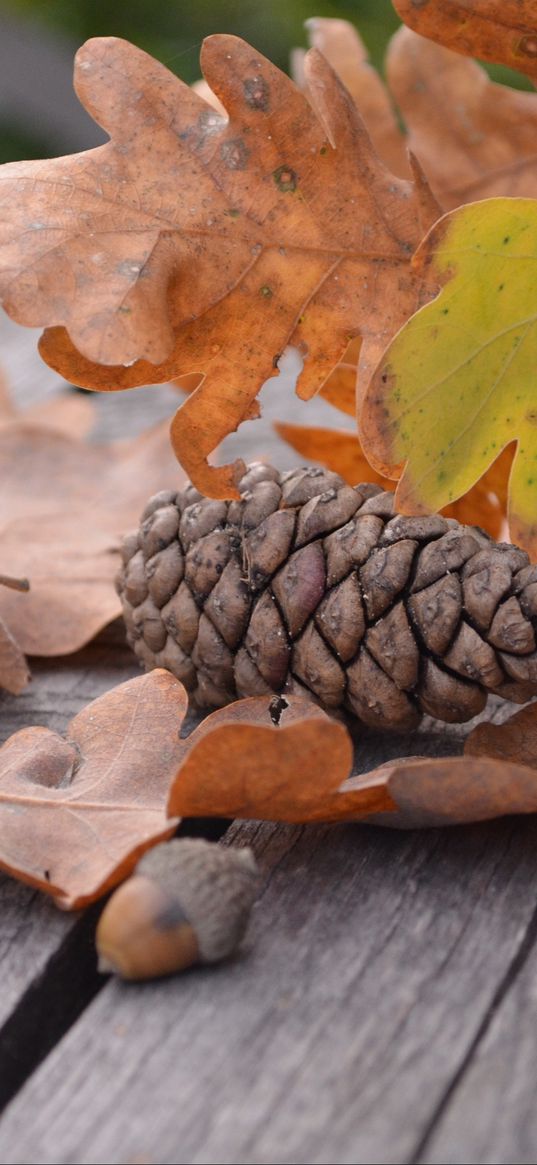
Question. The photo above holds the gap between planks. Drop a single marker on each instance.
(46, 1005)
(375, 962)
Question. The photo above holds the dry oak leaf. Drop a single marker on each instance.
(64, 412)
(286, 760)
(457, 385)
(337, 449)
(14, 670)
(66, 504)
(76, 814)
(502, 31)
(453, 790)
(193, 243)
(341, 44)
(475, 139)
(267, 758)
(514, 740)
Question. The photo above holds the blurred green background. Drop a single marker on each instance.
(39, 115)
(173, 31)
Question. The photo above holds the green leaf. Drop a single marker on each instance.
(459, 381)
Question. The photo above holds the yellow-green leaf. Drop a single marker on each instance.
(459, 381)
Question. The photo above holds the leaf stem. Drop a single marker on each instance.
(15, 584)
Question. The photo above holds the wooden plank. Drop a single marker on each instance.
(373, 959)
(493, 1096)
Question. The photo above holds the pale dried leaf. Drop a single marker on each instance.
(76, 814)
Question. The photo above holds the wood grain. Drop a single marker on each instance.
(373, 960)
(488, 1114)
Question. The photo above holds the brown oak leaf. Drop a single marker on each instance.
(503, 32)
(63, 412)
(452, 790)
(342, 46)
(286, 760)
(475, 139)
(65, 505)
(195, 243)
(514, 740)
(279, 759)
(14, 670)
(76, 814)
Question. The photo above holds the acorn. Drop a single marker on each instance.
(187, 902)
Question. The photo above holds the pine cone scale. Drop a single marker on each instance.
(307, 583)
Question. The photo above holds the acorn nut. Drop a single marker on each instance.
(187, 902)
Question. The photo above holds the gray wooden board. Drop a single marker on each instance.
(492, 1116)
(374, 961)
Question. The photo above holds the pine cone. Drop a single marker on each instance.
(309, 583)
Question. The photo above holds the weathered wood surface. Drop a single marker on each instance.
(496, 1106)
(383, 1009)
(375, 963)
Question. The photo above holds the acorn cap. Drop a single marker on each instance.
(213, 885)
